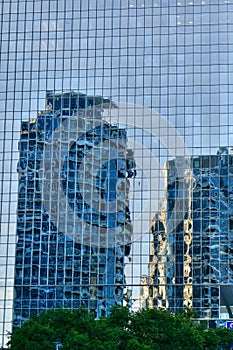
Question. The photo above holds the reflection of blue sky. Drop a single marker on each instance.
(134, 68)
(155, 53)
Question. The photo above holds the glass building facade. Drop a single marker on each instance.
(55, 267)
(191, 264)
(153, 78)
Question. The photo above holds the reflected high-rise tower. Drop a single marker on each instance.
(191, 264)
(55, 268)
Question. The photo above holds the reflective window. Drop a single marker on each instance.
(115, 143)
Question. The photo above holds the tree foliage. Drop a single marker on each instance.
(147, 329)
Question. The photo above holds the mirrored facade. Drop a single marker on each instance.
(191, 265)
(56, 268)
(119, 88)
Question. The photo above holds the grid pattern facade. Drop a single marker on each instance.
(171, 57)
(191, 265)
(52, 269)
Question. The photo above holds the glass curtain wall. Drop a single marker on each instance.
(137, 91)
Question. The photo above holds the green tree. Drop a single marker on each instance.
(33, 336)
(75, 340)
(147, 329)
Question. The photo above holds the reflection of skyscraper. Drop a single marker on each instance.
(174, 56)
(191, 266)
(54, 269)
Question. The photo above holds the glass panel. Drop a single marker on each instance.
(116, 156)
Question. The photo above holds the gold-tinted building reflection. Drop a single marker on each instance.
(191, 264)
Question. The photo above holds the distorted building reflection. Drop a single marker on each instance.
(53, 270)
(191, 264)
